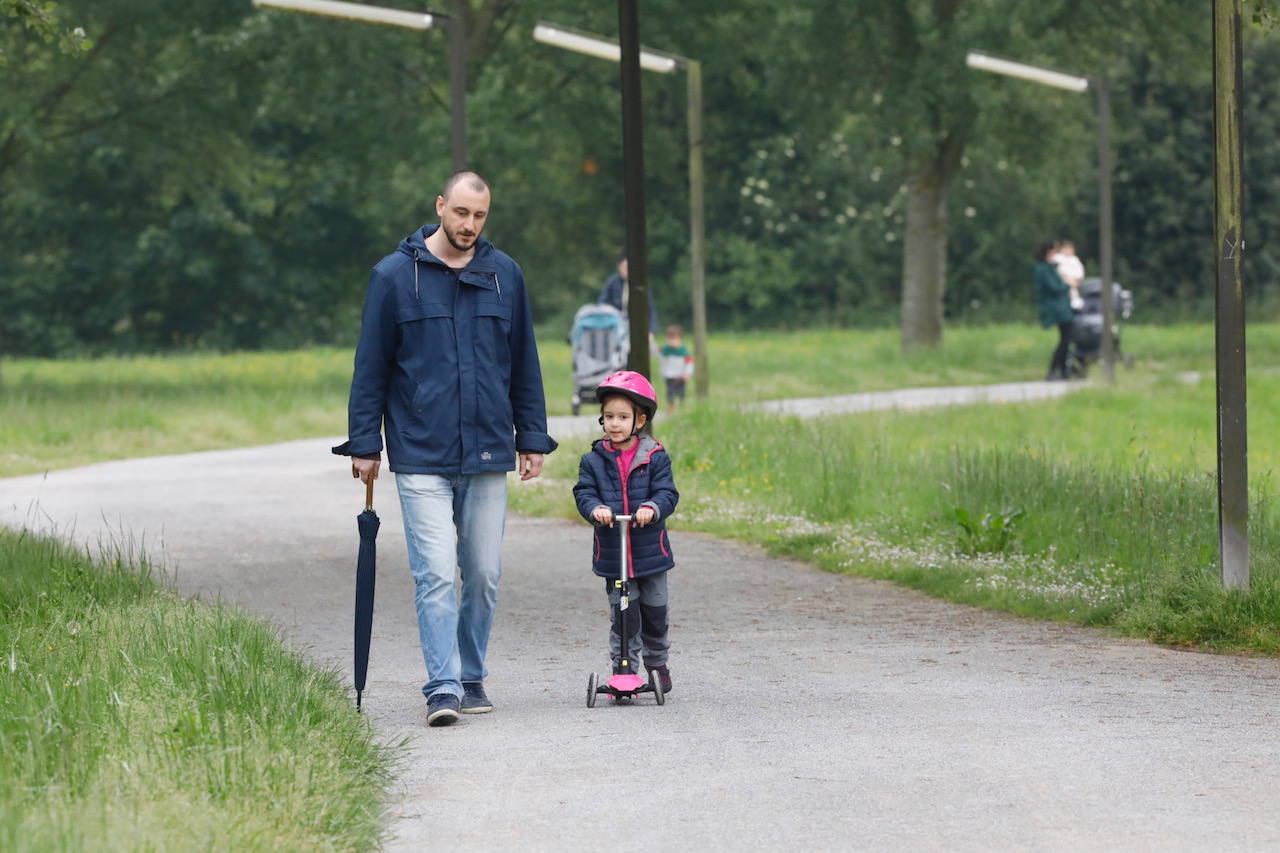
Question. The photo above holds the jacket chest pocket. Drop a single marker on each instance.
(494, 311)
(638, 483)
(415, 311)
(493, 335)
(422, 330)
(424, 336)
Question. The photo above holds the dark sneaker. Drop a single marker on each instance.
(473, 699)
(664, 677)
(442, 709)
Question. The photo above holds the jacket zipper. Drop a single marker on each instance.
(498, 283)
(626, 510)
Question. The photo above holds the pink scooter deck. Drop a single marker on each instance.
(625, 683)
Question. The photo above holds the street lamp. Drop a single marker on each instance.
(1228, 227)
(456, 24)
(1077, 83)
(664, 63)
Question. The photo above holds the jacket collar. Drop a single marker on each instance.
(415, 245)
(647, 447)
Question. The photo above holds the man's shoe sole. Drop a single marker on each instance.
(477, 709)
(443, 717)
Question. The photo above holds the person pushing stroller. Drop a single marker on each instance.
(627, 472)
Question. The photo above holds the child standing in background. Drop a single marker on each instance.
(676, 364)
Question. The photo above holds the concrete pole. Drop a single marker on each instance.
(458, 11)
(1105, 228)
(633, 177)
(1228, 227)
(697, 231)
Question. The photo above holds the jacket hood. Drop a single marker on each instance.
(415, 246)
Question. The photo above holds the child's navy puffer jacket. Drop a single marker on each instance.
(649, 483)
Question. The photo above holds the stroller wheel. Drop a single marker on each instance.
(592, 684)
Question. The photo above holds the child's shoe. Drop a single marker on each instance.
(663, 677)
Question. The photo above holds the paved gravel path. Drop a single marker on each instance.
(810, 711)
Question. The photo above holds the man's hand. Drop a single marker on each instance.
(365, 469)
(530, 465)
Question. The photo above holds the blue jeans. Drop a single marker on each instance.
(453, 527)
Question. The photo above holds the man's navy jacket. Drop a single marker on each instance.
(447, 365)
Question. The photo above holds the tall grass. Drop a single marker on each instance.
(133, 720)
(56, 414)
(1114, 486)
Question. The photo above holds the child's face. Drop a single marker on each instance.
(673, 338)
(620, 419)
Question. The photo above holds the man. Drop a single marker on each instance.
(616, 291)
(447, 364)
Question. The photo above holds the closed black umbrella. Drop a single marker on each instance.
(366, 572)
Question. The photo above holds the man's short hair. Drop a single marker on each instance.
(473, 180)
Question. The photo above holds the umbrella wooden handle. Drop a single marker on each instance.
(368, 493)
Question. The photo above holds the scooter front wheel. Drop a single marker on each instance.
(656, 685)
(592, 683)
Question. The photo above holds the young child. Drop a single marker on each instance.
(677, 364)
(628, 473)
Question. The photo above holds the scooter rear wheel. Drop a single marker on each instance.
(592, 684)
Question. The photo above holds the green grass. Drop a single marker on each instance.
(133, 720)
(1115, 484)
(1116, 487)
(58, 414)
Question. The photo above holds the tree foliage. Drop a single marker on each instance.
(214, 175)
(38, 19)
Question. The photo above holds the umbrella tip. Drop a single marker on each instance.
(358, 708)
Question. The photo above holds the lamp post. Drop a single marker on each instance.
(665, 63)
(1078, 83)
(633, 184)
(1228, 227)
(456, 24)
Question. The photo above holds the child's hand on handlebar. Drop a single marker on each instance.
(644, 515)
(603, 515)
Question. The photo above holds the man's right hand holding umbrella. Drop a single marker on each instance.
(365, 468)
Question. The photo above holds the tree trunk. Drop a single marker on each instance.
(924, 246)
(924, 254)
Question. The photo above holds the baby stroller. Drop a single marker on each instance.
(600, 342)
(1086, 327)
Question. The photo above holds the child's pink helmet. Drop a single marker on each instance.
(633, 386)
